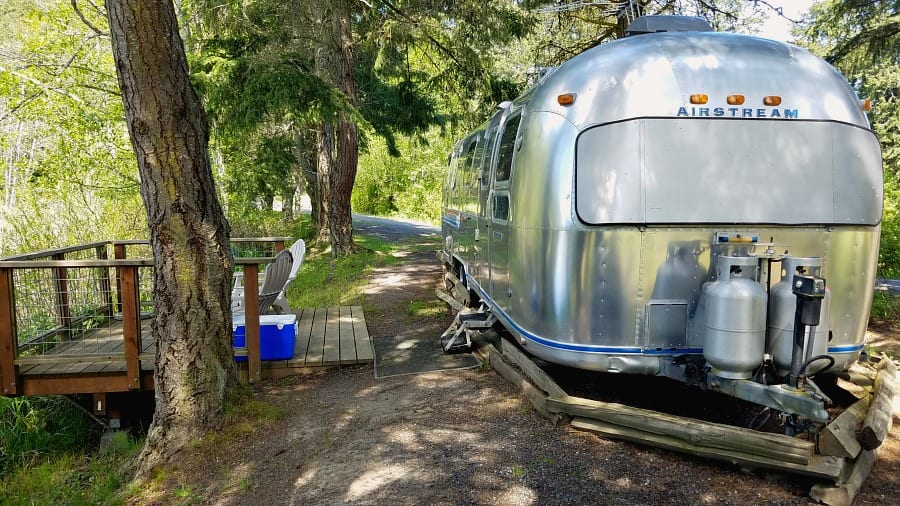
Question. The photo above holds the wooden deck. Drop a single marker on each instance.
(326, 337)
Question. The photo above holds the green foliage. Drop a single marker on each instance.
(35, 428)
(409, 186)
(862, 39)
(69, 174)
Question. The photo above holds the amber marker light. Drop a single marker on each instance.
(566, 99)
(699, 98)
(866, 104)
(735, 99)
(772, 100)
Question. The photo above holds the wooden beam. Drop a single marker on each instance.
(819, 466)
(838, 438)
(878, 420)
(535, 396)
(81, 384)
(843, 494)
(8, 334)
(131, 327)
(531, 370)
(697, 433)
(251, 320)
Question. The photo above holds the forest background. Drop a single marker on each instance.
(425, 73)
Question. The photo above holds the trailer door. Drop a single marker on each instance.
(501, 212)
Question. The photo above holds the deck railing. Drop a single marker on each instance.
(66, 308)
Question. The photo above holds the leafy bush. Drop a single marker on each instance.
(32, 428)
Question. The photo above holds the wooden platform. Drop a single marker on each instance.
(326, 337)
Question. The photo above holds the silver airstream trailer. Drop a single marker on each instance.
(651, 205)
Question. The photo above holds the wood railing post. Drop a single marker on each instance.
(119, 254)
(131, 325)
(8, 336)
(105, 286)
(61, 286)
(251, 321)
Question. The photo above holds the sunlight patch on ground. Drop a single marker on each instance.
(517, 494)
(305, 479)
(374, 479)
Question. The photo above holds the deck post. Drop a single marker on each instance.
(8, 340)
(61, 287)
(131, 325)
(105, 287)
(119, 254)
(251, 320)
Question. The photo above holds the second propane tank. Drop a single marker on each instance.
(735, 327)
(782, 304)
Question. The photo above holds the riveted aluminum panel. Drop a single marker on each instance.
(654, 75)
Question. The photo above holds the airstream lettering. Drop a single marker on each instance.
(735, 112)
(604, 236)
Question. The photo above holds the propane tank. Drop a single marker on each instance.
(735, 336)
(782, 304)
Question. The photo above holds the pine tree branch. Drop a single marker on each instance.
(883, 32)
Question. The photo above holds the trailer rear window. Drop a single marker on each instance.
(662, 170)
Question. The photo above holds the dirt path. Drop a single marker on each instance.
(450, 437)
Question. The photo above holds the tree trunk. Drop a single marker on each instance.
(337, 142)
(188, 232)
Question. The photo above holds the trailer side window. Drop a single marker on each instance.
(507, 143)
(501, 207)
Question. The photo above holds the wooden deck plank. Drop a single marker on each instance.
(347, 343)
(317, 339)
(364, 353)
(304, 329)
(332, 351)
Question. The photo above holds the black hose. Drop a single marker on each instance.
(806, 364)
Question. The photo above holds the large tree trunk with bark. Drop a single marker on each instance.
(337, 141)
(188, 231)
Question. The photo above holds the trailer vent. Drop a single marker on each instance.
(657, 23)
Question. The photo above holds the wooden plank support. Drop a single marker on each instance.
(131, 326)
(531, 370)
(838, 438)
(251, 320)
(824, 467)
(535, 396)
(8, 335)
(843, 494)
(878, 420)
(452, 302)
(693, 433)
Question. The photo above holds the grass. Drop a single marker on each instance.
(426, 308)
(324, 281)
(72, 478)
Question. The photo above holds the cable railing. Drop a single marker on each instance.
(85, 310)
